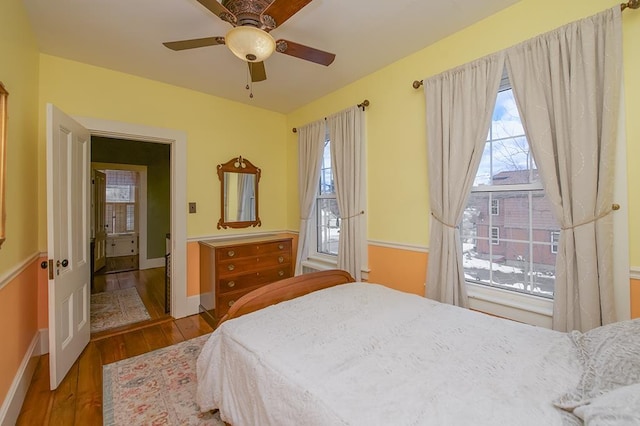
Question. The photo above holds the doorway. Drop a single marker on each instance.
(181, 306)
(129, 284)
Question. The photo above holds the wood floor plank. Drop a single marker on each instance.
(193, 326)
(172, 332)
(89, 399)
(135, 344)
(112, 349)
(63, 411)
(36, 408)
(155, 337)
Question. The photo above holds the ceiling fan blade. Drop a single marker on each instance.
(194, 43)
(257, 71)
(305, 52)
(281, 10)
(219, 10)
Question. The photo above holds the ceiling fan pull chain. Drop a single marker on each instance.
(249, 85)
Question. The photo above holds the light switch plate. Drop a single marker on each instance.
(192, 207)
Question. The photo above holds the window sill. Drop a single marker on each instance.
(322, 263)
(524, 308)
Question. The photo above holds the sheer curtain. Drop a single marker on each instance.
(347, 160)
(246, 197)
(310, 147)
(567, 87)
(459, 108)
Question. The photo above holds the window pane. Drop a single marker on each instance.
(326, 173)
(506, 117)
(120, 200)
(328, 220)
(509, 237)
(131, 209)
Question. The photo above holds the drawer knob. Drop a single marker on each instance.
(281, 273)
(231, 302)
(231, 284)
(280, 259)
(231, 253)
(231, 267)
(280, 246)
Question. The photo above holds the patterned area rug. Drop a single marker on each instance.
(156, 388)
(116, 308)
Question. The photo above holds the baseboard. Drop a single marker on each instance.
(44, 341)
(193, 305)
(12, 404)
(158, 262)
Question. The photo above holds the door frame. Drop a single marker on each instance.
(178, 141)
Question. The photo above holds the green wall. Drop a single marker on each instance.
(157, 158)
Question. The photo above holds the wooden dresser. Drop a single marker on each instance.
(230, 268)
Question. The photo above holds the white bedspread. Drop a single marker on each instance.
(363, 354)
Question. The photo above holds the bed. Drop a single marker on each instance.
(320, 349)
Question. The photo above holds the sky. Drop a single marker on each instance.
(508, 154)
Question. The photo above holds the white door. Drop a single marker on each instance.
(68, 228)
(99, 202)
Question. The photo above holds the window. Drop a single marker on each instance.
(495, 207)
(327, 214)
(511, 250)
(495, 235)
(120, 206)
(555, 238)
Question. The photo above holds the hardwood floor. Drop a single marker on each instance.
(148, 282)
(78, 399)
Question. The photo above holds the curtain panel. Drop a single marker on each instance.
(310, 147)
(567, 87)
(347, 160)
(460, 104)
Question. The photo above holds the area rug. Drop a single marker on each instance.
(156, 388)
(116, 308)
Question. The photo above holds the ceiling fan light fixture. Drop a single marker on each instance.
(250, 44)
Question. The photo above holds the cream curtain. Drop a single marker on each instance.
(567, 87)
(347, 160)
(310, 147)
(246, 197)
(459, 108)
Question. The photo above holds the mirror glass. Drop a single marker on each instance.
(240, 197)
(239, 194)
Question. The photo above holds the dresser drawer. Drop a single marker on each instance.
(225, 301)
(252, 250)
(240, 282)
(241, 265)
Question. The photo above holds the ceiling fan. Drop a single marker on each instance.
(249, 39)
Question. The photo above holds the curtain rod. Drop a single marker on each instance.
(362, 105)
(631, 4)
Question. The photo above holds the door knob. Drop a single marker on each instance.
(64, 263)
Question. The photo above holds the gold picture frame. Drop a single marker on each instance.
(3, 158)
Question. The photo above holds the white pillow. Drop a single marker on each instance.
(619, 407)
(611, 359)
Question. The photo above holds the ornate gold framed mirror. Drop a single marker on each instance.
(238, 194)
(3, 160)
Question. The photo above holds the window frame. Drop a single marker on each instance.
(495, 208)
(315, 252)
(495, 240)
(555, 242)
(486, 290)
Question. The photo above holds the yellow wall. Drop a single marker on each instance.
(398, 209)
(18, 281)
(217, 130)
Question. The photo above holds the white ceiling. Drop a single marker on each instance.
(365, 35)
